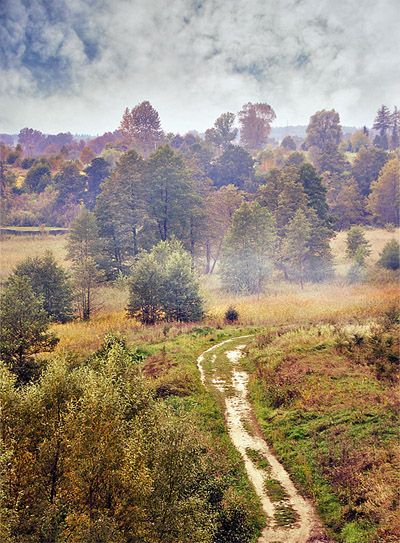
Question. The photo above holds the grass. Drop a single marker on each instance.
(327, 404)
(327, 400)
(14, 249)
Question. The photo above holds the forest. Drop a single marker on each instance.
(127, 257)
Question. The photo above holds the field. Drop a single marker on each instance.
(324, 367)
(281, 303)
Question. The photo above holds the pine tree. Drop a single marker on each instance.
(383, 121)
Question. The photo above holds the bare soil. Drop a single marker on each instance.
(290, 518)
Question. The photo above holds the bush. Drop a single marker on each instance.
(231, 314)
(390, 256)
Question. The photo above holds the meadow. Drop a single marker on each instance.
(324, 367)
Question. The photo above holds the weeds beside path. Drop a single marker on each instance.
(289, 517)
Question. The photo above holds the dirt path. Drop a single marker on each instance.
(290, 518)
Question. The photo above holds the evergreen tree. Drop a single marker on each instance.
(315, 190)
(38, 176)
(169, 190)
(70, 184)
(395, 139)
(121, 214)
(356, 242)
(24, 329)
(234, 167)
(383, 121)
(96, 173)
(366, 167)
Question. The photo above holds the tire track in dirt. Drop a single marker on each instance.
(301, 526)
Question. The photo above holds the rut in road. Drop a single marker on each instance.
(290, 518)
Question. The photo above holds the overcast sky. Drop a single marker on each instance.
(75, 65)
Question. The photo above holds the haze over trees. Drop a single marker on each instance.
(145, 186)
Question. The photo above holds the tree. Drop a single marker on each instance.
(315, 190)
(96, 173)
(83, 249)
(349, 205)
(223, 132)
(220, 206)
(38, 176)
(142, 126)
(295, 248)
(255, 124)
(169, 191)
(356, 243)
(359, 140)
(383, 121)
(383, 202)
(323, 128)
(87, 155)
(49, 283)
(30, 140)
(24, 329)
(122, 214)
(234, 167)
(288, 143)
(248, 250)
(70, 184)
(182, 300)
(395, 139)
(162, 286)
(331, 159)
(366, 167)
(390, 256)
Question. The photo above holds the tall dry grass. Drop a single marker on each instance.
(14, 249)
(282, 302)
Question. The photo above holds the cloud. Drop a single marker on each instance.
(89, 59)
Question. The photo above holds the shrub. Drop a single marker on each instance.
(231, 314)
(390, 256)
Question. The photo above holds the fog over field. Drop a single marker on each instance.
(76, 65)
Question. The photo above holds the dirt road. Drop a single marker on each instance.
(290, 518)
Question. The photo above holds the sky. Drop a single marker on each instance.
(75, 65)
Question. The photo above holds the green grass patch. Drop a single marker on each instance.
(275, 490)
(258, 459)
(285, 515)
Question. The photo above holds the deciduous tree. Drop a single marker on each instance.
(255, 124)
(142, 126)
(383, 202)
(323, 128)
(223, 132)
(83, 249)
(49, 283)
(24, 329)
(248, 251)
